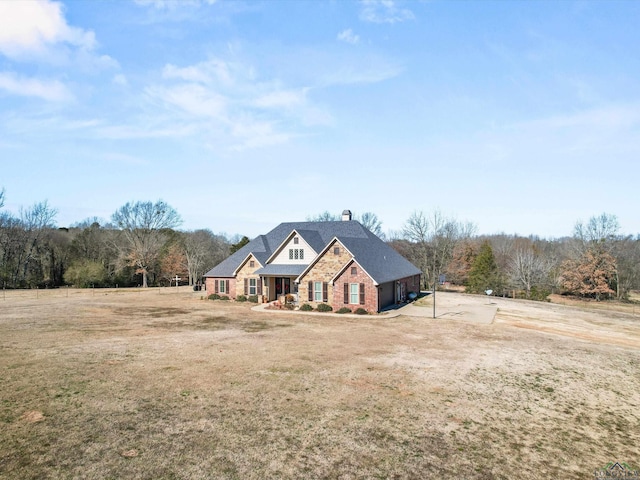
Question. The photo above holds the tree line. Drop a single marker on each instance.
(141, 245)
(595, 262)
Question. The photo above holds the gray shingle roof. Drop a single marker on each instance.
(281, 270)
(381, 261)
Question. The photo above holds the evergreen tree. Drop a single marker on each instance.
(484, 274)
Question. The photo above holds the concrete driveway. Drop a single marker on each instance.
(453, 306)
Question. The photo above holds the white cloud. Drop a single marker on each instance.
(192, 99)
(30, 27)
(348, 36)
(281, 99)
(120, 79)
(254, 134)
(230, 100)
(609, 117)
(204, 72)
(51, 90)
(373, 72)
(173, 4)
(384, 11)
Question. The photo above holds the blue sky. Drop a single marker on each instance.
(521, 117)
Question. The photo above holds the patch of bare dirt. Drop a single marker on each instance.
(32, 416)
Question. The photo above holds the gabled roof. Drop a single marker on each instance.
(246, 259)
(311, 237)
(381, 261)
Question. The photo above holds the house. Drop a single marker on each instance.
(340, 263)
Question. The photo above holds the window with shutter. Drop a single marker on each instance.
(362, 294)
(310, 291)
(325, 292)
(354, 294)
(246, 286)
(215, 284)
(227, 285)
(346, 293)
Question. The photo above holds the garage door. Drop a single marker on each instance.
(386, 295)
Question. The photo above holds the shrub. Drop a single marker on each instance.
(241, 298)
(224, 297)
(361, 311)
(214, 296)
(306, 307)
(539, 293)
(253, 298)
(86, 273)
(344, 310)
(323, 307)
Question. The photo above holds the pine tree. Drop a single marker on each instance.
(484, 274)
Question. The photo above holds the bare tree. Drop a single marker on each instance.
(528, 269)
(37, 222)
(144, 226)
(416, 230)
(2, 198)
(371, 222)
(600, 228)
(627, 253)
(434, 239)
(203, 250)
(325, 216)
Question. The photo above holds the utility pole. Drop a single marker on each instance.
(434, 296)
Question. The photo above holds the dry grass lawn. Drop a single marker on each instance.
(164, 385)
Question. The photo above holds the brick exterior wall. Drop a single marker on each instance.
(370, 290)
(211, 288)
(411, 284)
(323, 271)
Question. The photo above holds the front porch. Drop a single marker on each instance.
(274, 288)
(279, 281)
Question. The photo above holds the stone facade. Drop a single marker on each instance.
(324, 270)
(247, 270)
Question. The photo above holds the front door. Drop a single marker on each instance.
(283, 286)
